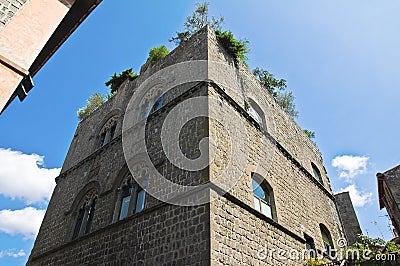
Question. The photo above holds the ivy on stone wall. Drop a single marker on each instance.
(237, 48)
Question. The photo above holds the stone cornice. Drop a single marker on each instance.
(88, 158)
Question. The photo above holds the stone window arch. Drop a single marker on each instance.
(316, 173)
(158, 104)
(146, 109)
(84, 214)
(256, 112)
(130, 198)
(107, 132)
(263, 196)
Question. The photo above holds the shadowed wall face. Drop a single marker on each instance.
(349, 218)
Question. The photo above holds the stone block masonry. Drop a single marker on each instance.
(230, 229)
(349, 218)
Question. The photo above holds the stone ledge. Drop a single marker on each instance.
(256, 213)
(88, 158)
(98, 231)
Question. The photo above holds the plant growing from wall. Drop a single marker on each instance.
(277, 88)
(109, 95)
(286, 100)
(116, 80)
(309, 133)
(197, 21)
(94, 102)
(237, 48)
(157, 53)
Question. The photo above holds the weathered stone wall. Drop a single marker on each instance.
(105, 167)
(86, 138)
(241, 85)
(348, 215)
(8, 9)
(282, 155)
(279, 151)
(240, 237)
(87, 131)
(392, 177)
(163, 235)
(301, 205)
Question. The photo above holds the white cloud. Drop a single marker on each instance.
(25, 222)
(359, 198)
(12, 253)
(21, 176)
(350, 166)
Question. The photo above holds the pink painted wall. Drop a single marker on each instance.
(24, 37)
(9, 81)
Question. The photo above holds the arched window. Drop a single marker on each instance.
(158, 104)
(147, 109)
(256, 112)
(130, 200)
(327, 239)
(107, 132)
(263, 197)
(316, 173)
(85, 214)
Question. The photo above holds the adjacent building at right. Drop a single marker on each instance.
(389, 195)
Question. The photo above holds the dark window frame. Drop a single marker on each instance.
(255, 108)
(316, 173)
(327, 241)
(132, 190)
(310, 246)
(85, 215)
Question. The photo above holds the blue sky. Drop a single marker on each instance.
(340, 59)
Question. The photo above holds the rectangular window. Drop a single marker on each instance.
(310, 246)
(112, 131)
(257, 204)
(90, 217)
(102, 139)
(124, 207)
(263, 207)
(78, 223)
(266, 209)
(140, 200)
